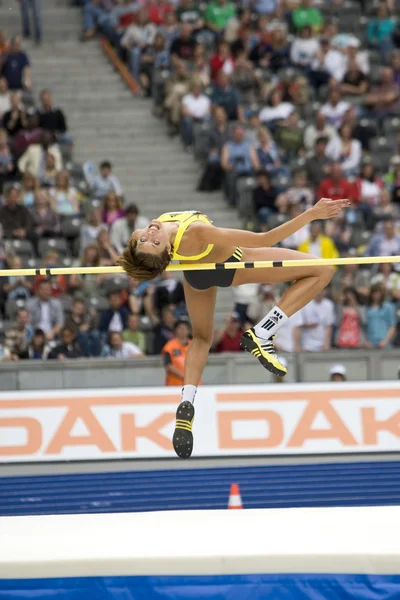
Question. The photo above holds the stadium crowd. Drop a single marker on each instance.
(280, 102)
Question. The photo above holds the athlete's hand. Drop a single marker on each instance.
(327, 208)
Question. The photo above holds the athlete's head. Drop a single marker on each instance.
(148, 252)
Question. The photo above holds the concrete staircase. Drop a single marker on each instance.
(107, 122)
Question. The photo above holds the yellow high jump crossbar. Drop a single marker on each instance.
(260, 264)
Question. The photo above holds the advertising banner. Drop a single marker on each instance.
(237, 420)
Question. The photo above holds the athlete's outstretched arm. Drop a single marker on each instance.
(324, 209)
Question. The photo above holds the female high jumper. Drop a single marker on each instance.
(190, 237)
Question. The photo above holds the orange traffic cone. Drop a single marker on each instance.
(235, 501)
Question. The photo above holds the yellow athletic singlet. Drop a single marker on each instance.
(185, 218)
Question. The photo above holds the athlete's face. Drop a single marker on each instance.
(154, 239)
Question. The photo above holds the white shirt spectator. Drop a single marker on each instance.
(334, 152)
(198, 107)
(121, 232)
(127, 350)
(89, 234)
(276, 113)
(137, 35)
(244, 294)
(335, 114)
(303, 51)
(311, 134)
(285, 336)
(5, 104)
(322, 316)
(45, 320)
(297, 238)
(334, 63)
(370, 192)
(102, 185)
(116, 323)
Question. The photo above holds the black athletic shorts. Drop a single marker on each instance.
(203, 280)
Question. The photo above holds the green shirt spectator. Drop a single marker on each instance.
(133, 335)
(217, 14)
(307, 15)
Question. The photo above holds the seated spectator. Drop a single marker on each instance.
(228, 338)
(158, 11)
(97, 14)
(53, 119)
(318, 320)
(221, 60)
(188, 12)
(45, 221)
(64, 197)
(112, 208)
(122, 229)
(177, 87)
(338, 373)
(168, 291)
(133, 334)
(5, 98)
(6, 158)
(174, 353)
(17, 288)
(163, 332)
(369, 185)
(386, 243)
(319, 244)
(305, 48)
(355, 82)
(318, 166)
(46, 312)
(244, 78)
(83, 322)
(389, 280)
(37, 348)
(328, 66)
(383, 100)
(15, 218)
(300, 192)
(195, 109)
(139, 36)
(272, 51)
(16, 66)
(31, 134)
(350, 321)
(294, 241)
(218, 135)
(154, 57)
(380, 30)
(277, 110)
(69, 346)
(289, 136)
(59, 282)
(346, 150)
(227, 97)
(317, 129)
(114, 318)
(264, 199)
(88, 284)
(264, 299)
(182, 48)
(108, 254)
(35, 156)
(336, 186)
(307, 15)
(200, 68)
(3, 44)
(105, 182)
(169, 31)
(15, 118)
(380, 319)
(118, 349)
(218, 14)
(20, 335)
(335, 109)
(268, 155)
(30, 185)
(90, 230)
(385, 209)
(394, 63)
(238, 159)
(47, 177)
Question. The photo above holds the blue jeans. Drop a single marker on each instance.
(35, 7)
(135, 55)
(94, 15)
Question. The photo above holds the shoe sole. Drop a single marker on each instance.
(249, 345)
(183, 439)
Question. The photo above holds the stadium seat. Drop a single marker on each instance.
(381, 151)
(22, 248)
(58, 245)
(244, 189)
(12, 307)
(116, 283)
(98, 303)
(70, 227)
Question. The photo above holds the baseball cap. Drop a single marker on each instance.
(338, 370)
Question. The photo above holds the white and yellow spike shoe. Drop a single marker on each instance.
(264, 350)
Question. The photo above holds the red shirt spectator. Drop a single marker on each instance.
(228, 339)
(218, 60)
(337, 187)
(157, 12)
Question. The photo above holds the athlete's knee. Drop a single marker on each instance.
(203, 338)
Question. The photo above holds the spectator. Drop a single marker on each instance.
(37, 348)
(200, 66)
(133, 334)
(328, 65)
(288, 337)
(227, 97)
(238, 159)
(105, 182)
(177, 87)
(338, 373)
(47, 177)
(318, 166)
(34, 159)
(34, 5)
(88, 284)
(20, 335)
(263, 300)
(83, 323)
(114, 318)
(6, 158)
(5, 98)
(163, 332)
(14, 217)
(153, 58)
(122, 229)
(89, 231)
(386, 243)
(346, 150)
(228, 339)
(221, 61)
(119, 349)
(218, 135)
(301, 236)
(174, 353)
(243, 295)
(108, 254)
(195, 109)
(380, 319)
(137, 38)
(97, 14)
(112, 209)
(318, 320)
(16, 67)
(335, 109)
(307, 15)
(336, 186)
(30, 185)
(355, 82)
(158, 11)
(168, 291)
(380, 30)
(69, 346)
(318, 129)
(182, 48)
(383, 100)
(64, 197)
(277, 110)
(385, 209)
(15, 118)
(45, 221)
(389, 280)
(264, 199)
(3, 44)
(218, 14)
(305, 48)
(319, 244)
(369, 186)
(350, 321)
(31, 134)
(289, 137)
(300, 192)
(17, 288)
(53, 119)
(58, 283)
(46, 312)
(188, 12)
